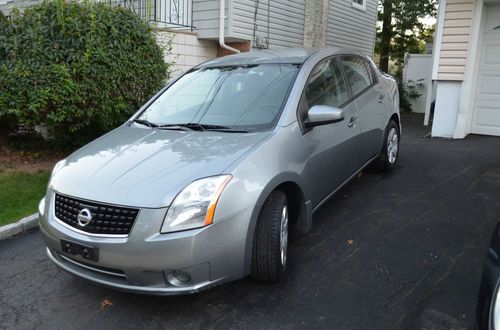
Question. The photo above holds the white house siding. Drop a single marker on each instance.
(351, 27)
(185, 50)
(280, 21)
(206, 18)
(455, 40)
(243, 15)
(287, 23)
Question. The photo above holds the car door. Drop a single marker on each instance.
(333, 150)
(369, 97)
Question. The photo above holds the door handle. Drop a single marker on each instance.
(381, 98)
(352, 121)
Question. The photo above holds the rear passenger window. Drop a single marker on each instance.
(358, 73)
(326, 86)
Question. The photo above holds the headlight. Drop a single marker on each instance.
(60, 164)
(195, 206)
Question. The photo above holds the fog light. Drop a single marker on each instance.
(178, 278)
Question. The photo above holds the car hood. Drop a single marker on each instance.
(142, 167)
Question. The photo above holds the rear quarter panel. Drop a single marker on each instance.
(391, 87)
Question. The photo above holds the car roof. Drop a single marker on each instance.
(276, 56)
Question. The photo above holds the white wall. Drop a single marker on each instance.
(419, 66)
(455, 99)
(446, 110)
(186, 49)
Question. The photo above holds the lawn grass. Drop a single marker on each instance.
(20, 193)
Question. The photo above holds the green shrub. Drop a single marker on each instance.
(4, 23)
(78, 68)
(408, 91)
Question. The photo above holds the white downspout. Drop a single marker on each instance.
(221, 28)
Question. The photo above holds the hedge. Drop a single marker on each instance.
(77, 68)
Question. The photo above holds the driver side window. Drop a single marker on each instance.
(326, 86)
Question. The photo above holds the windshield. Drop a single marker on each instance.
(235, 97)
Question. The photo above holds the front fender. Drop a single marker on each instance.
(305, 217)
(279, 159)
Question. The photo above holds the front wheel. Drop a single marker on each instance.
(388, 157)
(270, 242)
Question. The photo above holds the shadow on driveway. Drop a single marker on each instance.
(403, 250)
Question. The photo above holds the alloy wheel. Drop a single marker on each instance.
(392, 145)
(284, 235)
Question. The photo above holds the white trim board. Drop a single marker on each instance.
(469, 88)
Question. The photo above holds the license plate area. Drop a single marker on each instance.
(87, 252)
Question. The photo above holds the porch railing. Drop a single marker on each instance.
(166, 13)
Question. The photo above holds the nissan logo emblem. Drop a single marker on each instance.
(84, 217)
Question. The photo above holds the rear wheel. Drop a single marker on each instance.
(387, 159)
(270, 242)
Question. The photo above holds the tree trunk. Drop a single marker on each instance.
(386, 36)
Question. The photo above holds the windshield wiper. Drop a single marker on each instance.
(178, 127)
(184, 127)
(201, 127)
(220, 128)
(145, 123)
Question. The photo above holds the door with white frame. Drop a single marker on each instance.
(486, 118)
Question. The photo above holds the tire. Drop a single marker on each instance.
(268, 261)
(389, 155)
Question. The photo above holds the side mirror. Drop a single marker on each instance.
(322, 115)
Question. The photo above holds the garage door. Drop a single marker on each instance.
(487, 106)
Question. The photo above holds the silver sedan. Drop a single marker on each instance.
(203, 183)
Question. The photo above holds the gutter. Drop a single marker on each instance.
(221, 28)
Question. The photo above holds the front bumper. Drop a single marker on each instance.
(141, 262)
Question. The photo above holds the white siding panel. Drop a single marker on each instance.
(445, 54)
(244, 15)
(454, 46)
(466, 22)
(451, 76)
(456, 37)
(453, 61)
(206, 18)
(351, 27)
(281, 21)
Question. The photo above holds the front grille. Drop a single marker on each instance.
(106, 219)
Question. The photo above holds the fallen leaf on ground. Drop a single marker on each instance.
(106, 303)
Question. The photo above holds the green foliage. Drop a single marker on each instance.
(78, 68)
(402, 30)
(4, 23)
(3, 20)
(407, 92)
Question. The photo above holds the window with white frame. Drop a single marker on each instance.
(359, 4)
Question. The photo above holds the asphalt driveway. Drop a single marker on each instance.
(403, 250)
